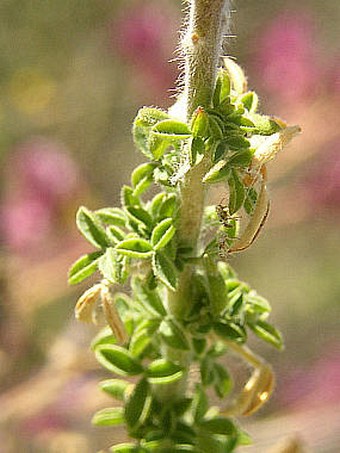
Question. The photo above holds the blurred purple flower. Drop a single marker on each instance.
(286, 57)
(144, 37)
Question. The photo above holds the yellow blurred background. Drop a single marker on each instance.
(72, 77)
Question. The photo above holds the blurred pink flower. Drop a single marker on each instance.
(287, 58)
(144, 36)
(26, 222)
(46, 170)
(40, 176)
(318, 384)
(322, 184)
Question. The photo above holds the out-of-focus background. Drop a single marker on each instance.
(72, 76)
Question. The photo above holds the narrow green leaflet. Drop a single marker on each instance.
(115, 388)
(143, 336)
(127, 447)
(200, 123)
(142, 171)
(236, 192)
(135, 248)
(219, 425)
(141, 177)
(230, 331)
(164, 269)
(141, 216)
(147, 117)
(111, 216)
(118, 360)
(83, 268)
(268, 333)
(250, 100)
(173, 335)
(162, 234)
(103, 337)
(91, 229)
(149, 299)
(172, 129)
(219, 172)
(223, 383)
(109, 265)
(138, 403)
(109, 417)
(163, 371)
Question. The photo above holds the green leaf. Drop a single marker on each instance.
(118, 360)
(165, 270)
(172, 129)
(149, 298)
(250, 200)
(200, 123)
(103, 337)
(141, 172)
(108, 265)
(111, 216)
(115, 388)
(207, 372)
(91, 229)
(267, 333)
(143, 336)
(197, 147)
(141, 216)
(216, 127)
(223, 383)
(158, 145)
(83, 268)
(145, 120)
(109, 416)
(136, 407)
(264, 125)
(162, 234)
(135, 248)
(225, 85)
(241, 159)
(250, 100)
(257, 303)
(219, 172)
(126, 447)
(115, 234)
(168, 207)
(236, 192)
(173, 335)
(219, 150)
(128, 198)
(200, 404)
(237, 142)
(230, 331)
(163, 371)
(141, 177)
(219, 425)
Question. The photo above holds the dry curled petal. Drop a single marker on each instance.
(85, 306)
(112, 316)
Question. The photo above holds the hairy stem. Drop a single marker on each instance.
(201, 47)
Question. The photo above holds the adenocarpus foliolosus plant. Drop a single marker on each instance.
(173, 305)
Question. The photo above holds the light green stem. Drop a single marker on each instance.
(201, 47)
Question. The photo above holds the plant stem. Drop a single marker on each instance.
(201, 47)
